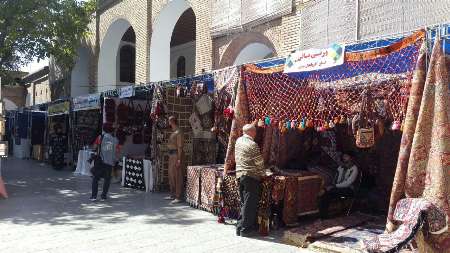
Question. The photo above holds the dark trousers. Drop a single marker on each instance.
(332, 195)
(249, 191)
(106, 183)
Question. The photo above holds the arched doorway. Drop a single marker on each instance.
(119, 34)
(253, 52)
(127, 58)
(173, 36)
(79, 83)
(182, 45)
(247, 47)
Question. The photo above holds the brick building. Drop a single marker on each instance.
(12, 93)
(137, 41)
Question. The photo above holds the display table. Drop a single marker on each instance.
(138, 173)
(296, 192)
(83, 165)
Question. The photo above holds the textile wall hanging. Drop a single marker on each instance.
(322, 99)
(86, 128)
(204, 151)
(241, 117)
(424, 161)
(225, 83)
(134, 174)
(318, 98)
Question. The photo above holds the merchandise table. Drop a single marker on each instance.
(83, 165)
(296, 191)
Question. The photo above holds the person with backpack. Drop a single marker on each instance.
(108, 152)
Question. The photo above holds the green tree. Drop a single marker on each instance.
(31, 29)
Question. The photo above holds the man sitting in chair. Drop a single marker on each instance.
(343, 184)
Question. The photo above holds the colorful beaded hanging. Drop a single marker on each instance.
(332, 96)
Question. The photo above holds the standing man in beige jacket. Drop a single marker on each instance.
(249, 170)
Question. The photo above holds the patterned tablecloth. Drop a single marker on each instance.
(201, 185)
(193, 186)
(296, 191)
(208, 186)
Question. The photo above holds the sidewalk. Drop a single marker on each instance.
(50, 211)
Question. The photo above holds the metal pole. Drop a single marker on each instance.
(357, 21)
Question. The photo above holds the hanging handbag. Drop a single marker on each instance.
(122, 114)
(131, 113)
(148, 123)
(110, 105)
(362, 125)
(137, 137)
(139, 116)
(121, 135)
(110, 110)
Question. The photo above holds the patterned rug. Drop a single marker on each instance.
(348, 240)
(305, 235)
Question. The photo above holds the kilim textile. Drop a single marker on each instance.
(290, 201)
(241, 117)
(193, 186)
(226, 79)
(412, 213)
(134, 174)
(231, 199)
(424, 170)
(321, 96)
(225, 82)
(308, 190)
(208, 182)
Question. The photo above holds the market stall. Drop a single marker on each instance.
(21, 140)
(307, 118)
(38, 133)
(86, 124)
(58, 137)
(128, 110)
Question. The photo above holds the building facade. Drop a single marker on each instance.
(139, 41)
(37, 87)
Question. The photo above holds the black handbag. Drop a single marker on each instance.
(99, 169)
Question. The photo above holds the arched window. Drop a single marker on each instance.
(181, 66)
(127, 64)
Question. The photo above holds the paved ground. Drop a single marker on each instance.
(49, 211)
